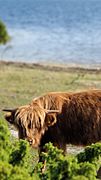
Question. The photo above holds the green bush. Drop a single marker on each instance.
(5, 149)
(15, 157)
(4, 37)
(17, 161)
(91, 154)
(60, 167)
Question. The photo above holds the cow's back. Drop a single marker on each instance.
(52, 100)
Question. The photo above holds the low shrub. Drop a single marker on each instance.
(15, 157)
(81, 166)
(17, 161)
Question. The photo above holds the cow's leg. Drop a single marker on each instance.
(40, 150)
(61, 146)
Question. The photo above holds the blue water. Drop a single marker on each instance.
(59, 31)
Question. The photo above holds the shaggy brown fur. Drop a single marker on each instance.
(76, 121)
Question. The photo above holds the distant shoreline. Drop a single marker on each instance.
(55, 67)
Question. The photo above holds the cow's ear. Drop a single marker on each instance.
(9, 116)
(51, 117)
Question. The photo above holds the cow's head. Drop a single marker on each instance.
(31, 121)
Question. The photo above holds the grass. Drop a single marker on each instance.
(20, 84)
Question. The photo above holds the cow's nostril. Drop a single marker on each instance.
(30, 142)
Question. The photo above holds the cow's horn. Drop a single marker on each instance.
(9, 110)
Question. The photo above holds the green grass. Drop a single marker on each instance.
(19, 85)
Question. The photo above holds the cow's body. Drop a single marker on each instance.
(77, 120)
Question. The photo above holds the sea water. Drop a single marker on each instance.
(57, 31)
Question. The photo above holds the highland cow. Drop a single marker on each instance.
(60, 118)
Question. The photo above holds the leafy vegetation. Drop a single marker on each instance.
(4, 37)
(82, 166)
(17, 161)
(15, 157)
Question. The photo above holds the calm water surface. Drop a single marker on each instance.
(59, 31)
